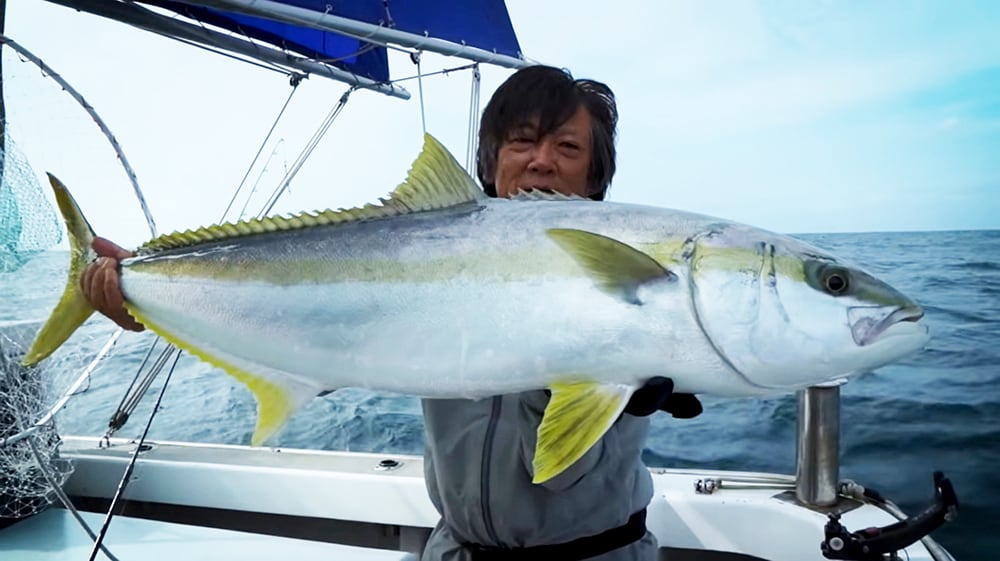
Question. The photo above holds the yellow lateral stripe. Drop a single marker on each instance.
(435, 181)
(274, 406)
(723, 259)
(506, 264)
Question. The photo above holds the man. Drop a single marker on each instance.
(541, 131)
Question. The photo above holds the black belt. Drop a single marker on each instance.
(576, 550)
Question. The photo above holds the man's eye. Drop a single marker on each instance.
(570, 145)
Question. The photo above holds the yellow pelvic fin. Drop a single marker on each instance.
(577, 416)
(72, 309)
(616, 267)
(435, 181)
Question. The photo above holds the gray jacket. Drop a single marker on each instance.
(478, 473)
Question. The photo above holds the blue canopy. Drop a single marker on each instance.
(482, 23)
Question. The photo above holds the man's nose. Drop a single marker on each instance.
(542, 157)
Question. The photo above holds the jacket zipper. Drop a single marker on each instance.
(485, 482)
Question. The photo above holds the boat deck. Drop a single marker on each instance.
(201, 501)
(55, 535)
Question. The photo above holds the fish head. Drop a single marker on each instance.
(786, 315)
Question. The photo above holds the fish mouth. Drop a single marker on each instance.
(869, 323)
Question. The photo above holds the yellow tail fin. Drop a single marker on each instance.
(72, 309)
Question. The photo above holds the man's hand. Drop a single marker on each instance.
(658, 395)
(99, 283)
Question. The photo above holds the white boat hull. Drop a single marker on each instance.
(351, 499)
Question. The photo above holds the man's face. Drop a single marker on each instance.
(558, 162)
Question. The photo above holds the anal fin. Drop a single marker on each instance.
(278, 396)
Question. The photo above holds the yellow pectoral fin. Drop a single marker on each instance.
(617, 268)
(577, 416)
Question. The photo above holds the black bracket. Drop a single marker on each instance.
(880, 544)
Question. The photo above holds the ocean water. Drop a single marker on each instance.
(937, 410)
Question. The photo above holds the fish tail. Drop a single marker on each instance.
(72, 309)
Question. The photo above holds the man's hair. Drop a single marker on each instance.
(550, 95)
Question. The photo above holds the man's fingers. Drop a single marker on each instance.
(100, 285)
(684, 406)
(113, 300)
(108, 277)
(87, 286)
(649, 398)
(108, 248)
(128, 322)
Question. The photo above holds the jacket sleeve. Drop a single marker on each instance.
(531, 407)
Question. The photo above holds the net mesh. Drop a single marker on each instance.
(28, 223)
(28, 226)
(25, 398)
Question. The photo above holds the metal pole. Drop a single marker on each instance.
(817, 469)
(358, 29)
(135, 15)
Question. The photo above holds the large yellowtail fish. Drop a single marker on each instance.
(439, 291)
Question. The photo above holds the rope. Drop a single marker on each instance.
(444, 71)
(260, 176)
(415, 57)
(132, 398)
(306, 152)
(294, 81)
(63, 498)
(470, 151)
(131, 464)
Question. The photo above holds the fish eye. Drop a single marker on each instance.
(836, 283)
(828, 277)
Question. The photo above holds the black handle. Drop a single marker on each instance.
(875, 544)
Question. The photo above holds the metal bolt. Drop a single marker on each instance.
(388, 465)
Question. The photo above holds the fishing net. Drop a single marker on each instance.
(24, 399)
(28, 223)
(28, 226)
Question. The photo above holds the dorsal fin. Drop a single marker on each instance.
(435, 181)
(534, 195)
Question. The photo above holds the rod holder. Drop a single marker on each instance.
(817, 463)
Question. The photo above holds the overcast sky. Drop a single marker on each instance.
(790, 115)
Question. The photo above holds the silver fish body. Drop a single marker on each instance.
(441, 292)
(478, 300)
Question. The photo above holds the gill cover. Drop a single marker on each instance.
(750, 297)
